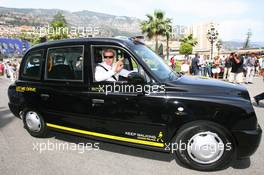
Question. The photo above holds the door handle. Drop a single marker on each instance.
(44, 96)
(97, 102)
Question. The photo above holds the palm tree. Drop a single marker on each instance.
(190, 40)
(155, 26)
(167, 33)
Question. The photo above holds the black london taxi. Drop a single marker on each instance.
(204, 123)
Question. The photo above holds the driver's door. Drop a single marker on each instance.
(128, 113)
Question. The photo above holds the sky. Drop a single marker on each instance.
(235, 17)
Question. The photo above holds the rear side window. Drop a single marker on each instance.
(65, 63)
(32, 66)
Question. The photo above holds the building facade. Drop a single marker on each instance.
(199, 32)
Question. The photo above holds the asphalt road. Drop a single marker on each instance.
(20, 153)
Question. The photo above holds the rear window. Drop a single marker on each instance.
(65, 63)
(32, 66)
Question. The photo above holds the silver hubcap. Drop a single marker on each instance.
(33, 121)
(205, 147)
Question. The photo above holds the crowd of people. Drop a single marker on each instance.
(234, 68)
(9, 69)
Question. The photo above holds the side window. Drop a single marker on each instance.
(32, 66)
(107, 58)
(65, 63)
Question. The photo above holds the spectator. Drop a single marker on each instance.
(228, 67)
(172, 63)
(261, 64)
(185, 67)
(2, 69)
(250, 63)
(216, 67)
(261, 95)
(257, 67)
(14, 66)
(202, 66)
(209, 67)
(195, 65)
(236, 75)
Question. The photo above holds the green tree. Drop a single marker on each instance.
(23, 36)
(155, 26)
(31, 38)
(59, 27)
(190, 40)
(58, 30)
(39, 39)
(186, 49)
(187, 44)
(59, 18)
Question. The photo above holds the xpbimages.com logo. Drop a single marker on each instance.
(65, 146)
(212, 147)
(129, 88)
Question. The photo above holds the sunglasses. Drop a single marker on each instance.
(109, 57)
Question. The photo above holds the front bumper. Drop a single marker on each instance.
(15, 109)
(247, 142)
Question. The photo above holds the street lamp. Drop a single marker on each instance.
(212, 35)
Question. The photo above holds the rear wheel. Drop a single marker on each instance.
(203, 145)
(34, 123)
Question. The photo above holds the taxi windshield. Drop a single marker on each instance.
(155, 63)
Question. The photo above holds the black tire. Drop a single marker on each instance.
(213, 130)
(42, 131)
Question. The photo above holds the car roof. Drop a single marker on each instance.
(125, 41)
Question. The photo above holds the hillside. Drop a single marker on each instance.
(109, 24)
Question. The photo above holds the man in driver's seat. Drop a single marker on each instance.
(107, 71)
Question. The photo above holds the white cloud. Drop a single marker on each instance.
(195, 8)
(209, 8)
(237, 29)
(173, 8)
(3, 1)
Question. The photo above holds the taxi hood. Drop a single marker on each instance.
(200, 85)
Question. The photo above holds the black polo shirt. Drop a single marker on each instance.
(237, 67)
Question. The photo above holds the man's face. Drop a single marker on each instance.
(108, 58)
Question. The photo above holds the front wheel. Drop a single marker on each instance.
(203, 145)
(34, 123)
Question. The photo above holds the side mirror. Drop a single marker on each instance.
(135, 78)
